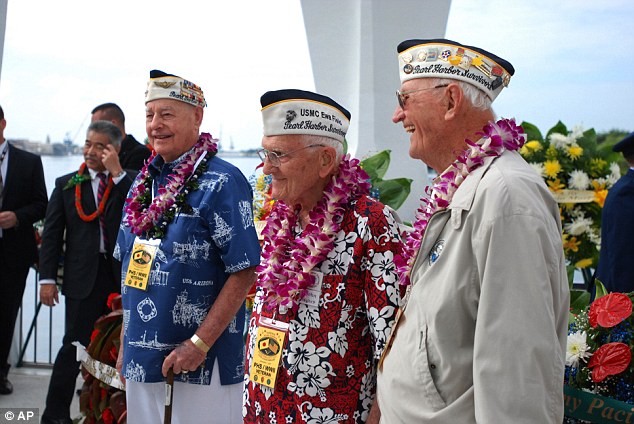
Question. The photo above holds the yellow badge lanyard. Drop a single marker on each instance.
(267, 353)
(144, 252)
(140, 264)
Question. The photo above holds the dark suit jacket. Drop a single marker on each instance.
(616, 268)
(25, 194)
(81, 256)
(133, 154)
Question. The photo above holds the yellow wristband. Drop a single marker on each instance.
(200, 344)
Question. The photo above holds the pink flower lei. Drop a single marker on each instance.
(287, 261)
(149, 217)
(495, 138)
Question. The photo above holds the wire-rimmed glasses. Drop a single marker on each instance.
(402, 96)
(275, 158)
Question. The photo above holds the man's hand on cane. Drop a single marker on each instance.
(186, 357)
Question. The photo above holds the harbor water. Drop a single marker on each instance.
(40, 349)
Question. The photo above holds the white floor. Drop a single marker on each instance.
(29, 390)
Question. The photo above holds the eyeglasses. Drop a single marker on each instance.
(402, 97)
(275, 158)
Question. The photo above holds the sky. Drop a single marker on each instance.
(572, 58)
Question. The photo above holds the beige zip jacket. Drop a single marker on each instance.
(482, 338)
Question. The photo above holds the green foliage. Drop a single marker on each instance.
(391, 192)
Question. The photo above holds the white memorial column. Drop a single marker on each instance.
(353, 53)
(3, 27)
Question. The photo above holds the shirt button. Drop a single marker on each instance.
(432, 366)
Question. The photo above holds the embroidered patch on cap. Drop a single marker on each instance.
(167, 86)
(286, 112)
(441, 58)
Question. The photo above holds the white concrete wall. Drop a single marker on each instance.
(353, 53)
(3, 26)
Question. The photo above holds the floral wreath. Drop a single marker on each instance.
(599, 347)
(495, 138)
(287, 260)
(149, 217)
(579, 174)
(76, 181)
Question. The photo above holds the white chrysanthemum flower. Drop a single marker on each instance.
(576, 348)
(615, 174)
(560, 141)
(603, 181)
(579, 180)
(578, 226)
(577, 132)
(577, 212)
(538, 168)
(595, 238)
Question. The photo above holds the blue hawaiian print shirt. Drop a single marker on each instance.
(193, 261)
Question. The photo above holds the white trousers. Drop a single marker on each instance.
(192, 403)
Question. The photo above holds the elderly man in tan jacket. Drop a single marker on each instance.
(482, 333)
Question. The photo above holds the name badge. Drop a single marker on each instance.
(313, 293)
(267, 354)
(140, 265)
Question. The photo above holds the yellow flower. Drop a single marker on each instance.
(534, 145)
(574, 152)
(599, 196)
(531, 147)
(572, 244)
(583, 263)
(552, 168)
(555, 185)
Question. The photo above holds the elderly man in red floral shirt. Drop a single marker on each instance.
(327, 291)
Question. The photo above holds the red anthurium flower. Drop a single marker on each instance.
(609, 359)
(609, 310)
(111, 297)
(107, 416)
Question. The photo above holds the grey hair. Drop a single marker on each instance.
(326, 141)
(476, 97)
(109, 129)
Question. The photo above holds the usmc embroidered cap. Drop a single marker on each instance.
(292, 111)
(167, 86)
(441, 58)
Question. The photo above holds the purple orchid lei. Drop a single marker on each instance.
(287, 261)
(495, 138)
(150, 217)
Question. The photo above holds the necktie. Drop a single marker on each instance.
(4, 153)
(103, 182)
(1, 187)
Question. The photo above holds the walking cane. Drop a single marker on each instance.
(169, 395)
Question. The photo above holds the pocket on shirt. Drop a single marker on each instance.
(423, 371)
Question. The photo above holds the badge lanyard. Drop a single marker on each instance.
(271, 337)
(140, 264)
(198, 161)
(144, 252)
(267, 354)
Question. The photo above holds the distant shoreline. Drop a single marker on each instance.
(61, 149)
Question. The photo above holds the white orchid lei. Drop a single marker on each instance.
(287, 260)
(149, 217)
(495, 138)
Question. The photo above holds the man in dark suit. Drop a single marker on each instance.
(617, 228)
(132, 154)
(22, 202)
(88, 210)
